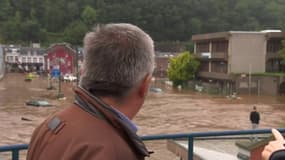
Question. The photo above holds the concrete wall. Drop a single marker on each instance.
(263, 85)
(247, 52)
(269, 85)
(243, 85)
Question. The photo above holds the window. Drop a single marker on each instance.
(274, 45)
(29, 59)
(24, 60)
(204, 66)
(41, 60)
(35, 60)
(202, 47)
(11, 59)
(219, 67)
(219, 46)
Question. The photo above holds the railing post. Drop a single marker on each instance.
(15, 154)
(190, 148)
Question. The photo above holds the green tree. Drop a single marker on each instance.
(89, 16)
(31, 31)
(164, 20)
(5, 10)
(10, 31)
(182, 68)
(75, 32)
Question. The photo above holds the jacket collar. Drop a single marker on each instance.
(96, 106)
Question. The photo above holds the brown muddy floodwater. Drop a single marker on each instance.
(168, 112)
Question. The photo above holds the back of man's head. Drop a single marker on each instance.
(116, 58)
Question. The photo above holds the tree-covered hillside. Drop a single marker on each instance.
(49, 21)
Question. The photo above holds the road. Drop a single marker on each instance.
(169, 112)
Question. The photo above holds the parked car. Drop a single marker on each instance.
(69, 78)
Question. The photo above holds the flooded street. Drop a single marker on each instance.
(167, 112)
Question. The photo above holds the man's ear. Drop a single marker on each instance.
(144, 86)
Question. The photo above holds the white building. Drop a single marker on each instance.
(24, 58)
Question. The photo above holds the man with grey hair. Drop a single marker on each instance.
(117, 69)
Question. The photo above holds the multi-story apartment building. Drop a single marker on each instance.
(224, 55)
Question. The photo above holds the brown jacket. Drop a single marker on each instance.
(75, 134)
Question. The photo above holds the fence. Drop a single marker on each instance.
(14, 149)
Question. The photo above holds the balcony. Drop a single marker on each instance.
(215, 75)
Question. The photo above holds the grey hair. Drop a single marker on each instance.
(116, 58)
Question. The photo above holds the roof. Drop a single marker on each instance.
(226, 35)
(66, 45)
(275, 35)
(25, 50)
(216, 35)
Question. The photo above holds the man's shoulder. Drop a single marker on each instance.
(79, 122)
(74, 123)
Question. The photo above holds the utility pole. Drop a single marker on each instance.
(77, 67)
(60, 94)
(249, 79)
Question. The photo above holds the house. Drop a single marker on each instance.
(232, 59)
(24, 58)
(32, 59)
(62, 57)
(161, 63)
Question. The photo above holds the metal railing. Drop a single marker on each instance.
(14, 149)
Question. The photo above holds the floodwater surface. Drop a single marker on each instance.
(167, 112)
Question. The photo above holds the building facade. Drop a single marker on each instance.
(61, 57)
(24, 58)
(227, 56)
(162, 60)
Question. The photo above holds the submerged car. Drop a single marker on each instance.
(156, 90)
(38, 103)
